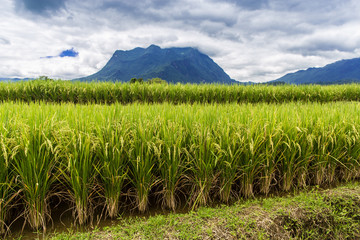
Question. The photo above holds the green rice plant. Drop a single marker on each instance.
(304, 162)
(141, 163)
(7, 191)
(117, 92)
(196, 152)
(273, 138)
(202, 162)
(351, 161)
(251, 159)
(319, 163)
(290, 156)
(169, 152)
(112, 168)
(34, 165)
(336, 153)
(326, 158)
(79, 173)
(229, 148)
(296, 149)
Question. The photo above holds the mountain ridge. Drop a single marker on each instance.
(339, 72)
(184, 65)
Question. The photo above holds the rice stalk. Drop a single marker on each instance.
(112, 166)
(202, 165)
(80, 174)
(229, 150)
(34, 165)
(7, 191)
(141, 164)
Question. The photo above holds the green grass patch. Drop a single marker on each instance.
(325, 214)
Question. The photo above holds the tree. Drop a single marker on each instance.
(44, 78)
(136, 80)
(156, 80)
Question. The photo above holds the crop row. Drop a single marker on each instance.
(93, 154)
(105, 92)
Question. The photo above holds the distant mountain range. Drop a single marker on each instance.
(14, 79)
(188, 65)
(183, 65)
(340, 72)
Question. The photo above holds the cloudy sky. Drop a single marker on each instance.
(252, 40)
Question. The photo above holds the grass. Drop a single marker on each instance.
(314, 214)
(129, 157)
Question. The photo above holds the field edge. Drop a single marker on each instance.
(316, 214)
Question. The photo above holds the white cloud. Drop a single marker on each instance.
(251, 41)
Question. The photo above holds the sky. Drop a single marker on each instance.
(252, 40)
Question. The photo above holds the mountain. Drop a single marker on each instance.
(344, 71)
(14, 79)
(184, 65)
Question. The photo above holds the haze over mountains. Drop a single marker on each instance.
(184, 65)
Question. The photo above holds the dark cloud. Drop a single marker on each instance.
(184, 14)
(250, 4)
(134, 5)
(122, 6)
(42, 7)
(319, 48)
(306, 5)
(143, 12)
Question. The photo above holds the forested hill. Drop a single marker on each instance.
(184, 65)
(344, 71)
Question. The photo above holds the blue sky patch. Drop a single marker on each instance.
(69, 53)
(66, 53)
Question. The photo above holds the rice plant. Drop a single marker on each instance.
(80, 174)
(185, 152)
(273, 137)
(228, 146)
(290, 161)
(7, 191)
(141, 164)
(351, 161)
(110, 92)
(169, 152)
(251, 159)
(202, 162)
(34, 164)
(112, 167)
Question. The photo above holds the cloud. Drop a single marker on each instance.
(251, 40)
(4, 41)
(250, 4)
(43, 7)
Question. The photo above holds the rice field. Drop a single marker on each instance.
(128, 156)
(125, 93)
